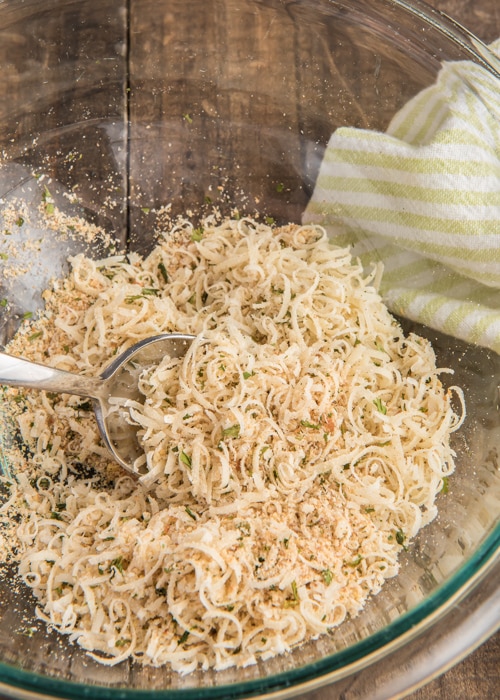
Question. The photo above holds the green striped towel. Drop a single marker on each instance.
(424, 198)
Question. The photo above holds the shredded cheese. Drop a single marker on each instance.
(296, 449)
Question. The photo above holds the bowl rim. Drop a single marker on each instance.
(25, 684)
(455, 31)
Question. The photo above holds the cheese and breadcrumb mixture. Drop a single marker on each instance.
(297, 449)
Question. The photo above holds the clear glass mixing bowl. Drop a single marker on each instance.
(144, 103)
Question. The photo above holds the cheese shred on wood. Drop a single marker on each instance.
(296, 449)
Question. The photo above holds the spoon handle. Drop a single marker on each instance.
(15, 371)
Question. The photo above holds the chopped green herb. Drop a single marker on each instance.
(247, 375)
(270, 220)
(190, 513)
(117, 564)
(27, 314)
(290, 603)
(185, 459)
(122, 642)
(3, 303)
(19, 221)
(145, 210)
(380, 406)
(146, 292)
(188, 118)
(327, 576)
(4, 256)
(34, 336)
(233, 431)
(445, 486)
(244, 528)
(400, 537)
(307, 424)
(184, 637)
(163, 271)
(355, 562)
(280, 187)
(55, 515)
(197, 234)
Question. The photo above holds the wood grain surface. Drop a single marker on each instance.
(478, 676)
(137, 99)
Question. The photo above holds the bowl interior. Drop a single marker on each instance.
(122, 113)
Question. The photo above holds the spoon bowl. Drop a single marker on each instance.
(118, 382)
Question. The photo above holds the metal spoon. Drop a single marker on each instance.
(118, 381)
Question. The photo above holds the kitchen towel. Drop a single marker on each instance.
(424, 198)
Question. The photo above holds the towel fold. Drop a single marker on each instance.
(424, 198)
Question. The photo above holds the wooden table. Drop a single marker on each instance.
(477, 677)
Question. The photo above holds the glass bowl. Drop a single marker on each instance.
(144, 104)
